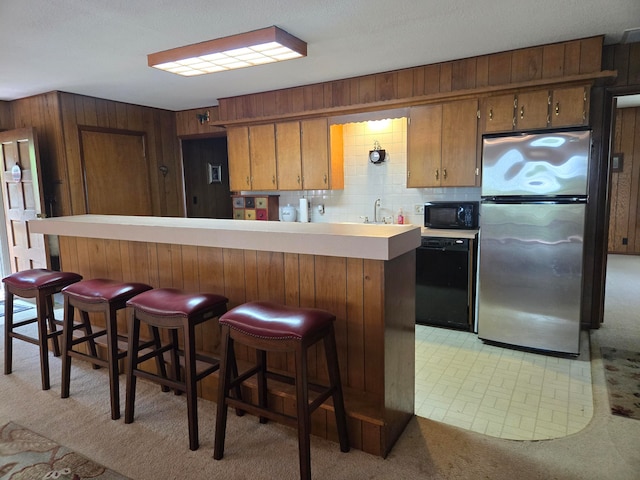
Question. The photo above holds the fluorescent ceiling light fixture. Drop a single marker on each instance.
(248, 49)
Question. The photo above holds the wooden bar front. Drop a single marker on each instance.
(373, 300)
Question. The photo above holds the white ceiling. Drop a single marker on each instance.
(99, 47)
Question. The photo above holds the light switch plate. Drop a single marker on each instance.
(418, 209)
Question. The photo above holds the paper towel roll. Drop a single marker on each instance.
(303, 214)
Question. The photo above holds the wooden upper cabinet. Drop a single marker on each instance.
(289, 161)
(532, 110)
(537, 109)
(569, 106)
(315, 154)
(262, 154)
(441, 145)
(499, 113)
(424, 146)
(459, 143)
(239, 159)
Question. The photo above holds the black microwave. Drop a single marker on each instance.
(460, 215)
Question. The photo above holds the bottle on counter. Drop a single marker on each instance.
(400, 218)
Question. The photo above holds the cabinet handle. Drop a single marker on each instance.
(444, 173)
(491, 114)
(273, 180)
(522, 111)
(557, 109)
(325, 178)
(298, 179)
(408, 173)
(247, 179)
(437, 174)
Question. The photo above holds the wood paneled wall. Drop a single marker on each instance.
(188, 124)
(57, 117)
(624, 227)
(6, 120)
(545, 62)
(43, 113)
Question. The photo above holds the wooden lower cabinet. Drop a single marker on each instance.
(373, 300)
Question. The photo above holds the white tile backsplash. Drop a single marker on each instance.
(364, 182)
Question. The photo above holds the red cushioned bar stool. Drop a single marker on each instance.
(103, 296)
(40, 284)
(268, 326)
(174, 310)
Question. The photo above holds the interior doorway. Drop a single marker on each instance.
(206, 178)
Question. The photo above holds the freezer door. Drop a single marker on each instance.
(541, 164)
(530, 275)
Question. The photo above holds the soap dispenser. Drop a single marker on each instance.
(400, 218)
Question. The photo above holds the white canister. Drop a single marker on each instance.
(288, 213)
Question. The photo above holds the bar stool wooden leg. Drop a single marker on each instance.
(304, 417)
(8, 328)
(42, 306)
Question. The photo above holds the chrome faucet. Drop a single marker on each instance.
(376, 204)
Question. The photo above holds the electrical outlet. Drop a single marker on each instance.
(418, 209)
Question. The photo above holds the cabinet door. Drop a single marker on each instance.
(532, 110)
(569, 106)
(289, 161)
(262, 151)
(459, 141)
(315, 154)
(239, 160)
(499, 113)
(424, 153)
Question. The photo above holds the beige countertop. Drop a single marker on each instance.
(353, 240)
(448, 233)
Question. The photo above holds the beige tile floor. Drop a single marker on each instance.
(500, 392)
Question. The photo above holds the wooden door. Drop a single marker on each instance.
(288, 156)
(22, 198)
(532, 110)
(315, 154)
(498, 113)
(239, 161)
(116, 173)
(424, 146)
(569, 106)
(262, 152)
(459, 140)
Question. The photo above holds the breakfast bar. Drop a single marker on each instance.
(362, 273)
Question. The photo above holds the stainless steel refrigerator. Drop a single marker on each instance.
(534, 196)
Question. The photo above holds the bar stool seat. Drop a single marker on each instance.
(103, 296)
(268, 326)
(174, 310)
(41, 284)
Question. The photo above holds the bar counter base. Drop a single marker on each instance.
(373, 300)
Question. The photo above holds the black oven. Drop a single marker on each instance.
(456, 215)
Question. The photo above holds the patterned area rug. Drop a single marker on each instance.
(25, 455)
(16, 308)
(622, 371)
